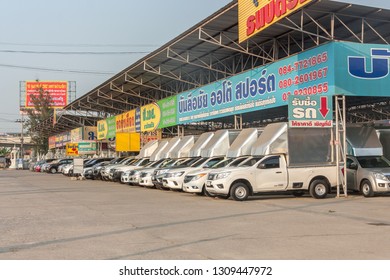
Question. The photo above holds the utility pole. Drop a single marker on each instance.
(21, 136)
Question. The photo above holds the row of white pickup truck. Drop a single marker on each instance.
(251, 169)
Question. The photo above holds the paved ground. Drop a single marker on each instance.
(47, 216)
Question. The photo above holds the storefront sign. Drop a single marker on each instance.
(362, 69)
(310, 111)
(52, 142)
(255, 16)
(168, 111)
(126, 122)
(106, 129)
(265, 87)
(87, 148)
(72, 149)
(138, 119)
(76, 135)
(150, 117)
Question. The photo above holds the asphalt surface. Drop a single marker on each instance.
(47, 217)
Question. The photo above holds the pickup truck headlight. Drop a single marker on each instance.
(222, 175)
(174, 174)
(381, 176)
(197, 177)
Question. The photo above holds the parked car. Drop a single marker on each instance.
(195, 181)
(271, 173)
(368, 175)
(38, 165)
(88, 168)
(116, 172)
(96, 169)
(53, 166)
(174, 179)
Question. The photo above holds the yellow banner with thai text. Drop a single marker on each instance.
(256, 15)
(150, 117)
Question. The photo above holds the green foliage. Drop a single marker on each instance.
(36, 117)
(4, 151)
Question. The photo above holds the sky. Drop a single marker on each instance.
(98, 29)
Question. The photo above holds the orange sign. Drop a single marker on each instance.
(256, 15)
(126, 122)
(57, 90)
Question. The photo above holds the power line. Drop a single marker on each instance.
(81, 45)
(57, 70)
(73, 52)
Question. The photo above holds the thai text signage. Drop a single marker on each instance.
(87, 148)
(106, 129)
(168, 111)
(261, 88)
(72, 149)
(255, 16)
(76, 135)
(310, 111)
(150, 117)
(57, 90)
(126, 122)
(52, 142)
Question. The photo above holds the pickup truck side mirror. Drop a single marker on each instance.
(353, 166)
(261, 166)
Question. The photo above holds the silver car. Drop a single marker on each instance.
(368, 174)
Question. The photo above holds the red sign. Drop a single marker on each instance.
(57, 90)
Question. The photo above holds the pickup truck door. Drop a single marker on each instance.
(352, 167)
(270, 175)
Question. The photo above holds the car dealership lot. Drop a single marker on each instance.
(50, 216)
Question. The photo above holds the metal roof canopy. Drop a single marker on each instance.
(210, 51)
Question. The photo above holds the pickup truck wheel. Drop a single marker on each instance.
(318, 188)
(239, 191)
(53, 170)
(206, 193)
(366, 189)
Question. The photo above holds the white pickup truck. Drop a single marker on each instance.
(271, 173)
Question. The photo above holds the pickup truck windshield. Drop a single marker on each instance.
(250, 162)
(373, 162)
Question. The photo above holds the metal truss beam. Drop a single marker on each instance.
(129, 92)
(133, 80)
(222, 39)
(185, 57)
(115, 99)
(159, 70)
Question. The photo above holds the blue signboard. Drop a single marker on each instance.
(138, 119)
(308, 73)
(362, 69)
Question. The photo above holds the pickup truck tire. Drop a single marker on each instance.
(206, 193)
(366, 189)
(53, 170)
(239, 191)
(319, 188)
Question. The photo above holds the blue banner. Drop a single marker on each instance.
(362, 69)
(308, 73)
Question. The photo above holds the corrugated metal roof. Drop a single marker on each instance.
(209, 51)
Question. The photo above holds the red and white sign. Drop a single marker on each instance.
(57, 90)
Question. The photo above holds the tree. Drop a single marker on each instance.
(4, 151)
(42, 111)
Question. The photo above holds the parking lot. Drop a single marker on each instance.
(50, 216)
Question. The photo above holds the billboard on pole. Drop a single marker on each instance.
(57, 90)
